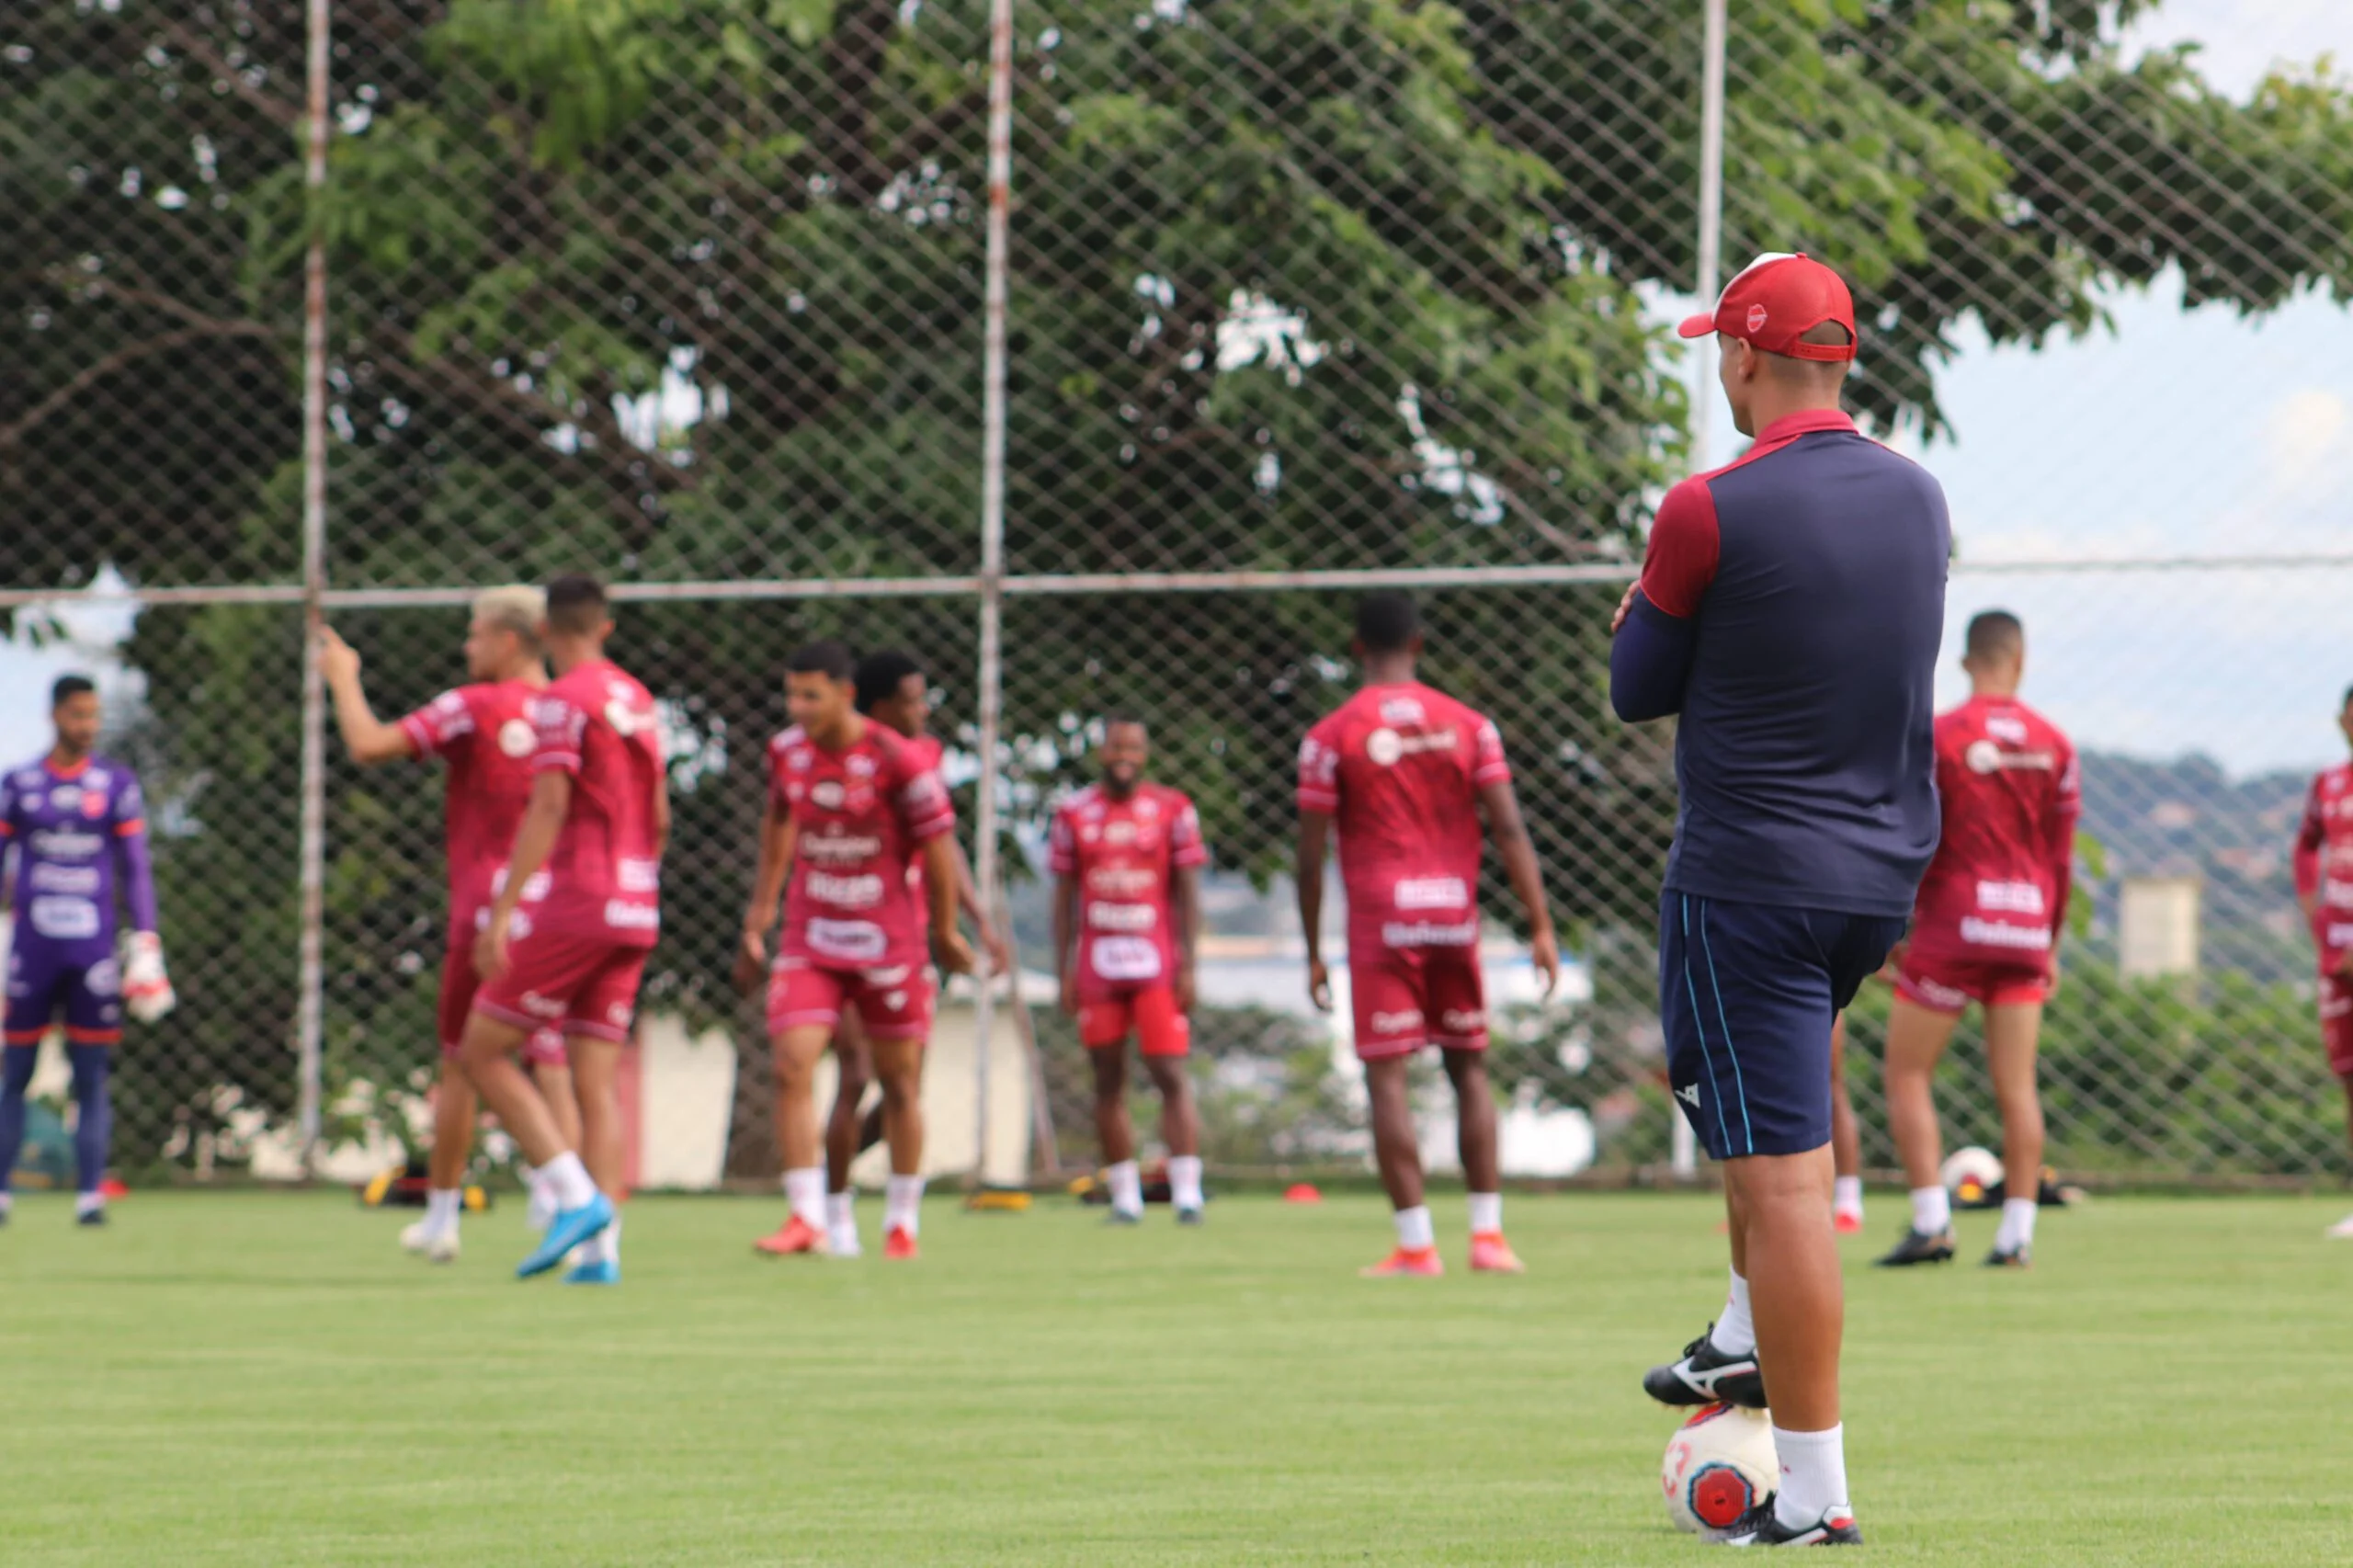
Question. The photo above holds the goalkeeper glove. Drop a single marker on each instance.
(146, 989)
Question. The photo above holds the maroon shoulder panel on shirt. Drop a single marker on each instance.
(1683, 547)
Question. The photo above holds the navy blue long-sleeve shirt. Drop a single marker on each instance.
(1790, 610)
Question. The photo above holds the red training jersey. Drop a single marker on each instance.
(2011, 793)
(927, 750)
(864, 814)
(2324, 862)
(598, 724)
(484, 734)
(1125, 855)
(1400, 768)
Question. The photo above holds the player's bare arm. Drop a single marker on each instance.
(1184, 906)
(1509, 830)
(778, 834)
(1307, 870)
(367, 738)
(1066, 940)
(947, 945)
(535, 839)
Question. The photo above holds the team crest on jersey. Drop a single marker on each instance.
(94, 804)
(66, 798)
(1120, 833)
(515, 738)
(859, 767)
(828, 793)
(1384, 746)
(1983, 757)
(1147, 809)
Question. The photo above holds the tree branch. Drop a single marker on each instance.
(194, 45)
(14, 432)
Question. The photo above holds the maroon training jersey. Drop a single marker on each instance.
(598, 724)
(2324, 862)
(484, 734)
(1124, 855)
(1400, 768)
(1997, 891)
(863, 815)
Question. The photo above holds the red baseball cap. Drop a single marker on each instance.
(1775, 302)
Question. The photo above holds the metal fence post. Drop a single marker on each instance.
(309, 1026)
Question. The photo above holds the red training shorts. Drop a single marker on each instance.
(894, 1001)
(584, 985)
(2337, 1022)
(1949, 986)
(1147, 1012)
(458, 982)
(1406, 998)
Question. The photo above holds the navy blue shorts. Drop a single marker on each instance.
(83, 982)
(1747, 993)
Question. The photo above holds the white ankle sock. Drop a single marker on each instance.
(1415, 1231)
(805, 1189)
(441, 1208)
(1931, 1210)
(841, 1210)
(2018, 1224)
(1185, 1180)
(91, 1202)
(1814, 1475)
(570, 1180)
(1127, 1187)
(1487, 1213)
(1736, 1331)
(1846, 1196)
(903, 1204)
(604, 1246)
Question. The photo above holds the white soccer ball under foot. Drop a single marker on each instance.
(1719, 1464)
(1969, 1174)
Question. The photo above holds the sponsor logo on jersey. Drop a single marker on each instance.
(894, 975)
(63, 919)
(1402, 1022)
(1147, 809)
(2002, 934)
(1122, 881)
(638, 876)
(828, 793)
(65, 844)
(848, 893)
(1463, 1020)
(860, 766)
(540, 1007)
(2336, 892)
(2337, 936)
(94, 804)
(1120, 833)
(1124, 958)
(617, 1014)
(1428, 934)
(2010, 898)
(1689, 1094)
(896, 1001)
(840, 849)
(1986, 757)
(1945, 998)
(624, 916)
(66, 797)
(103, 978)
(81, 880)
(1402, 711)
(1384, 746)
(1432, 893)
(856, 941)
(1122, 916)
(515, 738)
(2006, 727)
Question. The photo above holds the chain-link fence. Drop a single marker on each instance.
(1299, 297)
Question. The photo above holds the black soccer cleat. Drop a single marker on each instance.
(91, 1217)
(1120, 1217)
(2019, 1256)
(1188, 1216)
(1762, 1527)
(1705, 1375)
(1918, 1247)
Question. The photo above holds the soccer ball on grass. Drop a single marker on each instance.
(1970, 1174)
(1719, 1464)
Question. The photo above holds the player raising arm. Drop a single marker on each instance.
(1992, 909)
(77, 824)
(1403, 772)
(596, 827)
(2324, 863)
(482, 732)
(850, 808)
(1127, 857)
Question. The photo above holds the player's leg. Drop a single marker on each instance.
(1919, 1026)
(804, 1009)
(594, 1083)
(17, 1063)
(1104, 1025)
(854, 1069)
(1165, 1039)
(491, 1051)
(897, 1014)
(32, 999)
(2336, 1038)
(1846, 1141)
(1386, 1001)
(2013, 1028)
(456, 1108)
(93, 1029)
(1455, 997)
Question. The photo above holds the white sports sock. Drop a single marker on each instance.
(1487, 1213)
(841, 1223)
(903, 1204)
(91, 1202)
(1415, 1231)
(1814, 1475)
(7, 1201)
(805, 1190)
(1127, 1187)
(1736, 1331)
(1185, 1180)
(2018, 1224)
(1931, 1210)
(442, 1206)
(1846, 1196)
(570, 1179)
(604, 1246)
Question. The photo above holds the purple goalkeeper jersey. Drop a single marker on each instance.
(70, 830)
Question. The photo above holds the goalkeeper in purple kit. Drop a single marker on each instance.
(75, 828)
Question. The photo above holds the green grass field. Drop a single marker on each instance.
(264, 1379)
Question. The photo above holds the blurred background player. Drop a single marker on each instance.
(1789, 609)
(2324, 862)
(1127, 857)
(850, 809)
(482, 732)
(596, 826)
(892, 692)
(1986, 930)
(1405, 772)
(77, 824)
(1846, 1141)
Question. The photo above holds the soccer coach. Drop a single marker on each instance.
(1790, 610)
